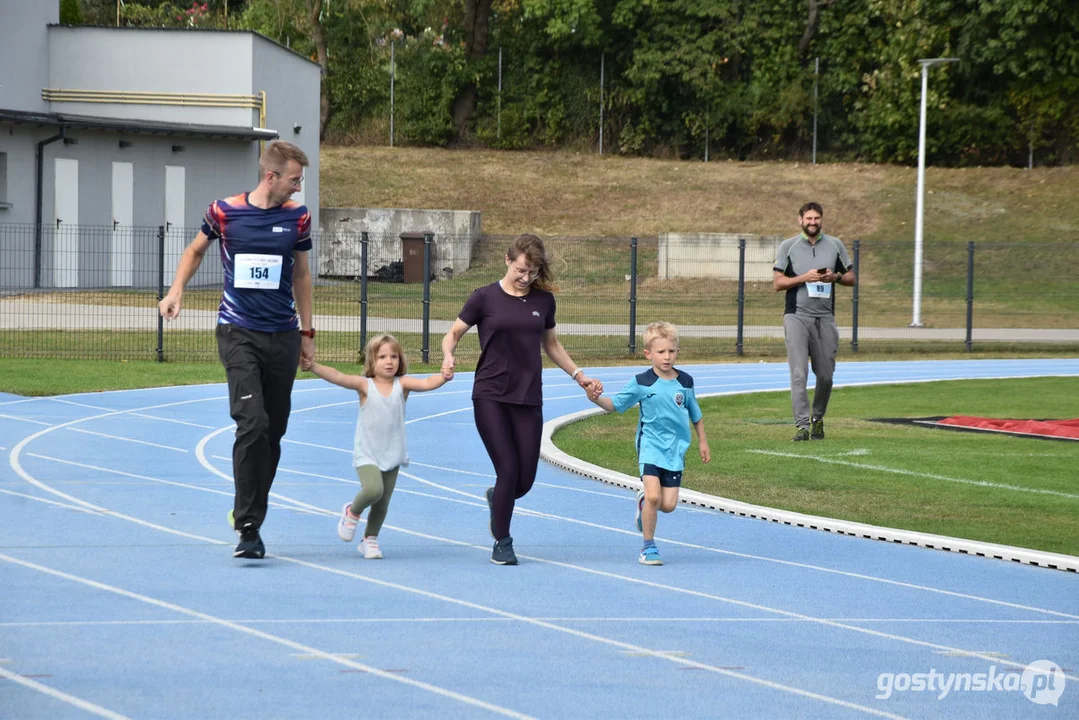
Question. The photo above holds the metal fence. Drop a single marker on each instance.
(92, 293)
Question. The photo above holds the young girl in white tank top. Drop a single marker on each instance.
(380, 449)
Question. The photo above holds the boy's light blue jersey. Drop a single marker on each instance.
(667, 409)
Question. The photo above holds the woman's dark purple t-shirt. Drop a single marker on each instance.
(511, 329)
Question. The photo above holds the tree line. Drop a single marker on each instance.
(746, 76)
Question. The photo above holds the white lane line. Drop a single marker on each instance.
(124, 473)
(424, 593)
(66, 506)
(298, 647)
(334, 514)
(62, 696)
(912, 473)
(686, 591)
(88, 406)
(642, 651)
(173, 420)
(484, 620)
(732, 601)
(25, 420)
(289, 503)
(450, 470)
(127, 439)
(480, 502)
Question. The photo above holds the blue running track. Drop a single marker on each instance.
(119, 597)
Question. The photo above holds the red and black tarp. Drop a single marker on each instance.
(1041, 429)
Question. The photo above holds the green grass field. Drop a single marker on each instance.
(891, 475)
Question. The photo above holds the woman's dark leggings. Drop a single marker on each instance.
(511, 434)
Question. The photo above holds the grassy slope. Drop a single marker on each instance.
(589, 195)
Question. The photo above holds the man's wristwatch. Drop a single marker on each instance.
(308, 333)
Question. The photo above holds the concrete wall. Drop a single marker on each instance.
(715, 255)
(24, 66)
(455, 231)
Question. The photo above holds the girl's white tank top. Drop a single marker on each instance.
(380, 429)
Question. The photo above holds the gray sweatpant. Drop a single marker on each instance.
(816, 340)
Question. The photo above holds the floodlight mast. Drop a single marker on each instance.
(919, 210)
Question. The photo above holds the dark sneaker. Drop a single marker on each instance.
(250, 544)
(801, 436)
(491, 511)
(503, 553)
(817, 433)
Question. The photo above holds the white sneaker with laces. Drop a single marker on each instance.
(346, 526)
(369, 548)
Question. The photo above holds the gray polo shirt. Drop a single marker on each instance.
(797, 255)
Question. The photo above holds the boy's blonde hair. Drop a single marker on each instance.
(370, 354)
(660, 329)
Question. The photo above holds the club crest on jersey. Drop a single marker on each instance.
(679, 399)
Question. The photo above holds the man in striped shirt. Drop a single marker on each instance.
(264, 239)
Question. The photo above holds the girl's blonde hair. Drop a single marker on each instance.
(370, 354)
(660, 329)
(531, 246)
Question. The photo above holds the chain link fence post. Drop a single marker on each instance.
(160, 291)
(854, 300)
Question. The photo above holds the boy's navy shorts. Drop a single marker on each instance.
(667, 478)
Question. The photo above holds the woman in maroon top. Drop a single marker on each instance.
(515, 319)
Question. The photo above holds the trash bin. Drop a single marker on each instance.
(412, 256)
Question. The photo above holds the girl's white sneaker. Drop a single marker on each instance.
(369, 548)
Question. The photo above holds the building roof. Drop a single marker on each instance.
(144, 127)
(222, 31)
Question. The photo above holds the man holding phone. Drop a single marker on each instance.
(808, 266)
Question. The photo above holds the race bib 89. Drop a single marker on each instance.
(819, 290)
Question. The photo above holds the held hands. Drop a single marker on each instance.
(593, 387)
(448, 364)
(307, 352)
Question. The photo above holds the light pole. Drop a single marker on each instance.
(919, 209)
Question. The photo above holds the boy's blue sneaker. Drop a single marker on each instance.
(503, 552)
(491, 511)
(650, 556)
(640, 509)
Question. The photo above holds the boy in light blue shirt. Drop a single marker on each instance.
(668, 408)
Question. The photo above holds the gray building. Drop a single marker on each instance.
(108, 133)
